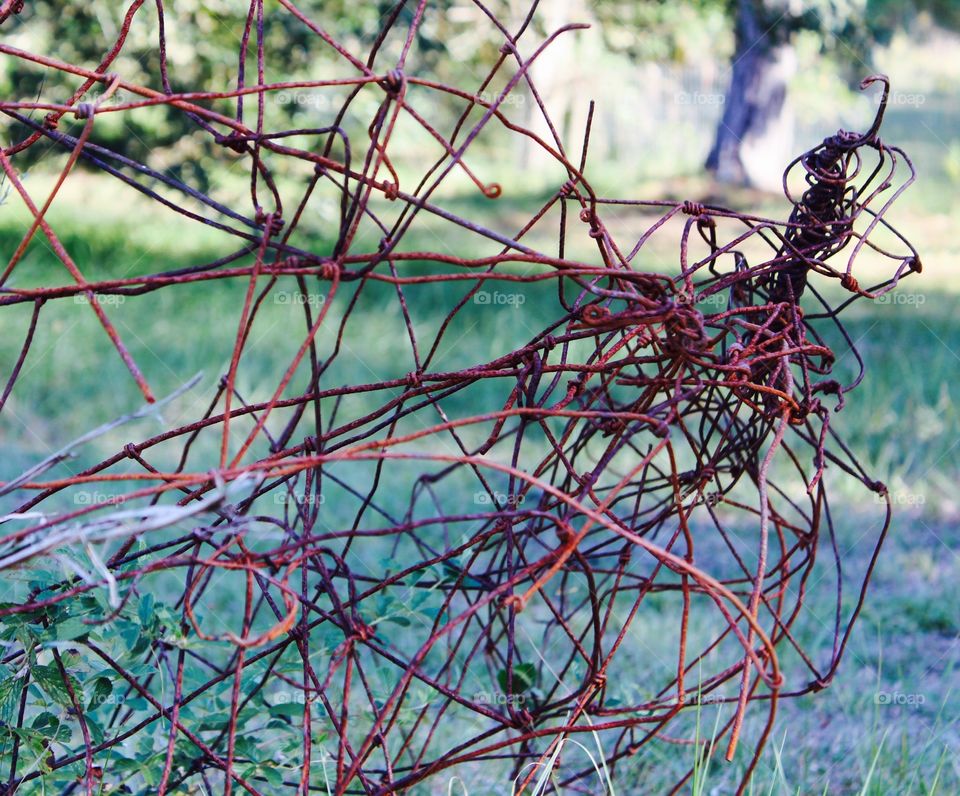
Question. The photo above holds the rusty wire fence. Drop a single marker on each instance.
(509, 573)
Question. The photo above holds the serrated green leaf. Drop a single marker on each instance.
(288, 709)
(102, 689)
(68, 629)
(273, 776)
(10, 688)
(137, 703)
(44, 719)
(145, 610)
(96, 731)
(245, 747)
(49, 679)
(524, 677)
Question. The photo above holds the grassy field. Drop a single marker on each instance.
(888, 724)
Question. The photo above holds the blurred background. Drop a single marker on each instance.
(706, 100)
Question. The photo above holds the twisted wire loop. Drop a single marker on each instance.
(575, 503)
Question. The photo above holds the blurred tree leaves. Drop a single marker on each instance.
(454, 44)
(203, 40)
(667, 30)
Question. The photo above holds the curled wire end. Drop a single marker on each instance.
(492, 191)
(869, 80)
(871, 134)
(514, 602)
(594, 314)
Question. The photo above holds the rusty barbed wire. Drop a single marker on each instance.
(447, 571)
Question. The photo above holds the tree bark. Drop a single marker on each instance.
(754, 139)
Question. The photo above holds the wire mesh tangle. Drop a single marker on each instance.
(579, 502)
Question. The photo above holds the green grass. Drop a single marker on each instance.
(888, 723)
(903, 422)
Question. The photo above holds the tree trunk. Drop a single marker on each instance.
(754, 139)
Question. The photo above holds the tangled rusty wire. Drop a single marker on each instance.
(521, 570)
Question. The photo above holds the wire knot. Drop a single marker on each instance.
(234, 142)
(394, 82)
(849, 282)
(328, 271)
